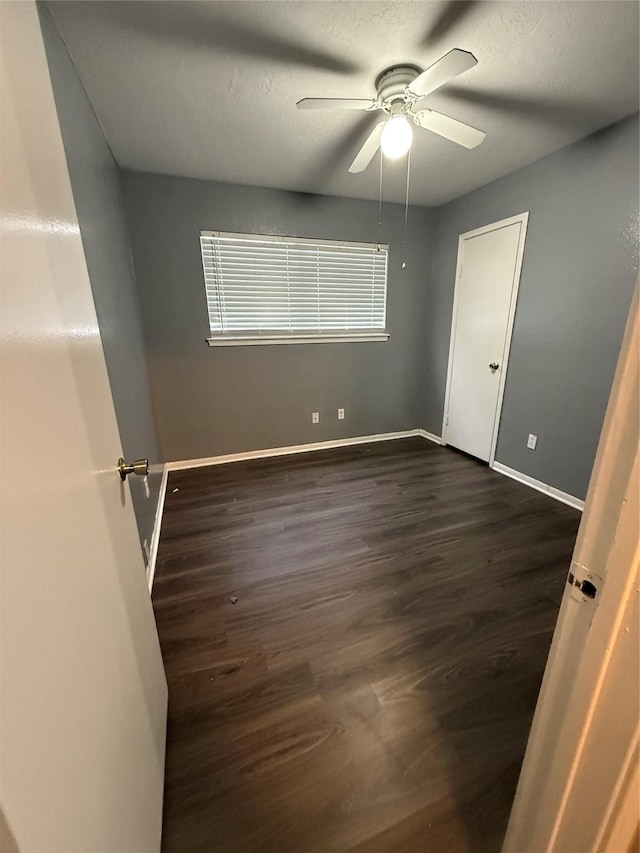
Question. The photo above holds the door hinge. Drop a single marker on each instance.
(585, 585)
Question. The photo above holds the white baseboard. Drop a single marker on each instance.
(539, 486)
(157, 524)
(296, 448)
(430, 436)
(203, 462)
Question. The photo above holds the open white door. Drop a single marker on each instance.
(578, 790)
(83, 710)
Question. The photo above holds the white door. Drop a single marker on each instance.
(487, 277)
(578, 790)
(83, 708)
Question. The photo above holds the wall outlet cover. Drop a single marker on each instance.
(340, 414)
(315, 417)
(532, 441)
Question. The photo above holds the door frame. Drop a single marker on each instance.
(523, 219)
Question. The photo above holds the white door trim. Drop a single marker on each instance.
(522, 218)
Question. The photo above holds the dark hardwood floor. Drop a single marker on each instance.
(373, 687)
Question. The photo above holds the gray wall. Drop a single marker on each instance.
(97, 192)
(580, 265)
(211, 401)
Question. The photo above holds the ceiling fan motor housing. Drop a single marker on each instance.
(391, 84)
(400, 92)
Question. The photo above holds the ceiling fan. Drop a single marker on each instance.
(400, 92)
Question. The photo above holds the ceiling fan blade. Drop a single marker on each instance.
(452, 129)
(449, 66)
(336, 104)
(368, 150)
(325, 162)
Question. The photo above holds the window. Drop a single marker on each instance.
(263, 289)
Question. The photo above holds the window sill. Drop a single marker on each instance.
(240, 340)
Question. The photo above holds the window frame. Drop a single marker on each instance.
(268, 337)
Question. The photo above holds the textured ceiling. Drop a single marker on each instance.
(208, 89)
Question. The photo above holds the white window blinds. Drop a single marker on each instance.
(285, 287)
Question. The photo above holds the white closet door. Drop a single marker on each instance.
(488, 271)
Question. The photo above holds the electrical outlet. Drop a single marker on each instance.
(532, 441)
(315, 417)
(340, 414)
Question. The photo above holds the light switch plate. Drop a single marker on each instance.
(532, 441)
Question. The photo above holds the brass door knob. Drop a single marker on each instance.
(139, 467)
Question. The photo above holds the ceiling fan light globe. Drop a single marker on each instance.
(396, 138)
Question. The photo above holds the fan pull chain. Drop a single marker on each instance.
(380, 202)
(406, 211)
